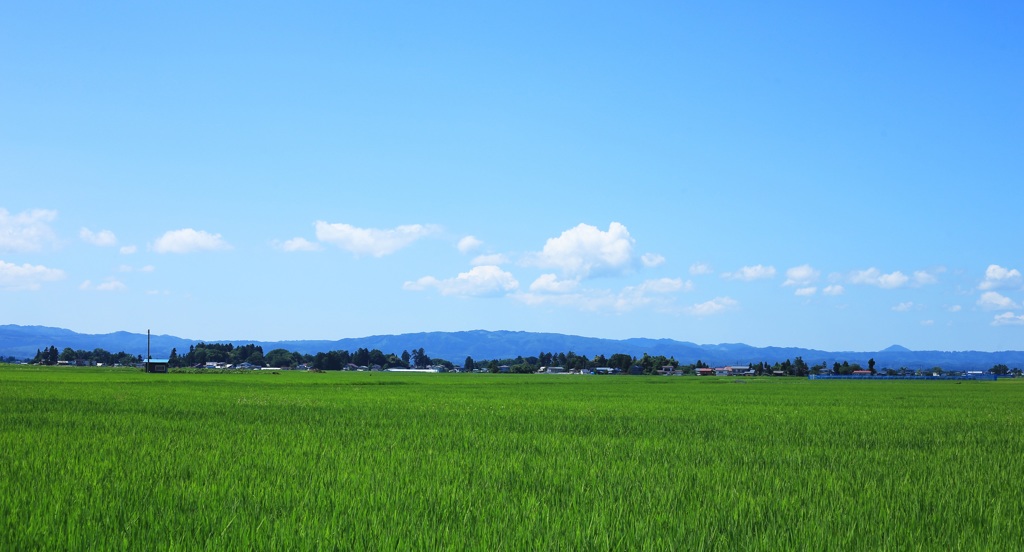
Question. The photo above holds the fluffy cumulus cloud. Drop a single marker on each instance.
(715, 306)
(991, 300)
(904, 306)
(834, 290)
(492, 259)
(586, 250)
(803, 276)
(15, 277)
(188, 240)
(480, 281)
(128, 250)
(700, 269)
(875, 277)
(295, 244)
(375, 242)
(751, 273)
(927, 277)
(805, 291)
(1008, 319)
(551, 283)
(998, 277)
(26, 231)
(103, 238)
(469, 243)
(651, 260)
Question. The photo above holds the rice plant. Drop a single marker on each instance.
(118, 459)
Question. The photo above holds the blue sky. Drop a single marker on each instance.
(842, 177)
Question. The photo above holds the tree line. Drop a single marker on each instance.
(202, 353)
(50, 356)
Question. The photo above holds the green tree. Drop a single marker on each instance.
(279, 358)
(523, 368)
(871, 365)
(800, 367)
(620, 361)
(999, 370)
(257, 358)
(420, 358)
(469, 365)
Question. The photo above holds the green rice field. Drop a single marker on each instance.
(115, 459)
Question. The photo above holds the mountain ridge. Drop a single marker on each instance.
(22, 342)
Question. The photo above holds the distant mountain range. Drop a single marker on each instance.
(22, 342)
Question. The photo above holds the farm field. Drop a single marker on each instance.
(115, 459)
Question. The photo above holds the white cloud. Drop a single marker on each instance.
(834, 289)
(666, 285)
(26, 277)
(700, 269)
(904, 307)
(372, 241)
(108, 285)
(874, 277)
(806, 291)
(714, 306)
(1008, 319)
(130, 268)
(295, 244)
(998, 277)
(485, 280)
(550, 283)
(468, 244)
(924, 277)
(657, 294)
(188, 240)
(651, 260)
(111, 285)
(585, 250)
(927, 322)
(103, 238)
(494, 259)
(26, 231)
(991, 300)
(803, 275)
(751, 273)
(129, 250)
(955, 308)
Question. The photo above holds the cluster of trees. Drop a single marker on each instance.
(646, 364)
(338, 360)
(50, 356)
(798, 367)
(202, 353)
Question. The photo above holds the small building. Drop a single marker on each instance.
(705, 371)
(552, 370)
(157, 365)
